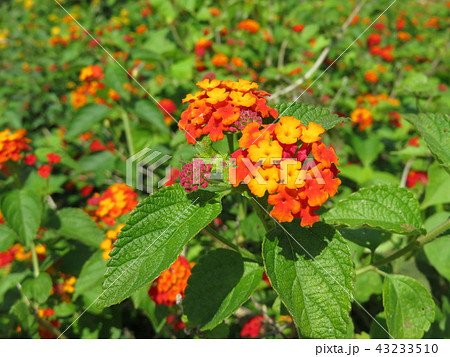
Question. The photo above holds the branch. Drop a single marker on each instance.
(322, 56)
(417, 243)
(282, 53)
(44, 323)
(405, 172)
(338, 93)
(177, 38)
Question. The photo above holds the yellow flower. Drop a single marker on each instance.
(265, 149)
(289, 130)
(312, 133)
(55, 31)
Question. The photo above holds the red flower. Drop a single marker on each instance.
(176, 323)
(266, 279)
(253, 327)
(298, 28)
(97, 145)
(414, 141)
(6, 257)
(167, 106)
(44, 171)
(53, 158)
(416, 176)
(30, 159)
(374, 39)
(86, 190)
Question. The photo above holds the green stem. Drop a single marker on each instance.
(34, 260)
(225, 241)
(129, 137)
(230, 141)
(417, 243)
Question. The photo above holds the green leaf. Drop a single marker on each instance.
(7, 237)
(309, 113)
(24, 317)
(436, 191)
(387, 207)
(65, 309)
(408, 305)
(366, 285)
(77, 224)
(8, 289)
(365, 237)
(38, 289)
(151, 113)
(22, 211)
(438, 251)
(367, 148)
(312, 272)
(153, 237)
(435, 129)
(115, 78)
(85, 118)
(220, 283)
(183, 70)
(91, 275)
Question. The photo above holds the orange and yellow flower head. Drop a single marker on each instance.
(219, 105)
(363, 117)
(287, 161)
(116, 201)
(11, 145)
(91, 73)
(249, 25)
(171, 283)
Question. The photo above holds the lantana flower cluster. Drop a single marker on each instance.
(65, 285)
(171, 283)
(12, 144)
(275, 159)
(91, 77)
(116, 201)
(17, 252)
(218, 106)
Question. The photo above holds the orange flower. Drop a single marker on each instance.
(90, 73)
(220, 106)
(219, 60)
(12, 145)
(287, 161)
(371, 76)
(171, 283)
(116, 201)
(404, 36)
(214, 11)
(141, 28)
(237, 61)
(249, 25)
(363, 117)
(113, 94)
(433, 22)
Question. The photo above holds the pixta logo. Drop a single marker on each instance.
(141, 167)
